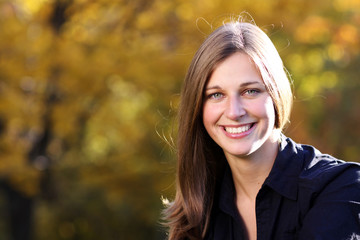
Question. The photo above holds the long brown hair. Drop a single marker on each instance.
(200, 159)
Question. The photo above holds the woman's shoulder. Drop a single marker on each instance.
(329, 189)
(323, 172)
(322, 167)
(317, 169)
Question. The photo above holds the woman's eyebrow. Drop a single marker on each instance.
(213, 87)
(250, 83)
(245, 84)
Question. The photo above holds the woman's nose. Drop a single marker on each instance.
(235, 109)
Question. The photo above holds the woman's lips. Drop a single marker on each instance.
(239, 131)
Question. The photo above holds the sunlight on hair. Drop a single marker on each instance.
(244, 16)
(165, 201)
(208, 25)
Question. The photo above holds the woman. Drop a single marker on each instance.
(238, 177)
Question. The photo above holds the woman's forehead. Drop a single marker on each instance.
(237, 69)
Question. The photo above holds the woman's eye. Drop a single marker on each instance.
(252, 92)
(215, 96)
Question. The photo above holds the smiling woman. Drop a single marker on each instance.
(243, 112)
(238, 176)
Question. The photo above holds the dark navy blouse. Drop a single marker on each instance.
(307, 196)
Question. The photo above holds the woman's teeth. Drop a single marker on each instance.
(238, 129)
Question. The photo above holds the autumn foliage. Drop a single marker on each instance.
(89, 91)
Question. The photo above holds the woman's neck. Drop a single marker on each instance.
(250, 173)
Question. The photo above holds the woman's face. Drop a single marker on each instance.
(238, 112)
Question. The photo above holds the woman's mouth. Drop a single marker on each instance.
(240, 129)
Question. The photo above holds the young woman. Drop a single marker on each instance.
(238, 176)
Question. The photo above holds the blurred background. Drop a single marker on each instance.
(89, 91)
